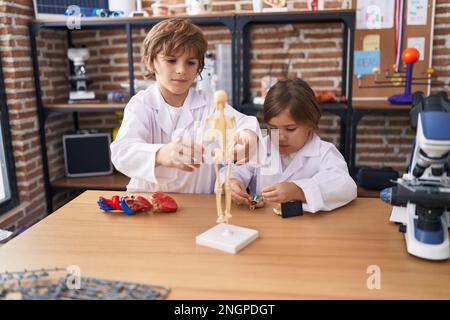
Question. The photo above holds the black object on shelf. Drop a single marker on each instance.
(96, 145)
(376, 178)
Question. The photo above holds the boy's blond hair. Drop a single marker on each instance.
(172, 37)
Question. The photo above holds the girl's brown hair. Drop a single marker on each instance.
(174, 36)
(296, 96)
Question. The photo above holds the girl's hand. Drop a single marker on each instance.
(283, 192)
(183, 155)
(238, 193)
(246, 146)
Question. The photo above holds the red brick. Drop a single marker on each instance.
(274, 35)
(329, 35)
(266, 45)
(380, 158)
(225, 7)
(325, 74)
(312, 65)
(399, 140)
(323, 55)
(312, 45)
(374, 149)
(301, 5)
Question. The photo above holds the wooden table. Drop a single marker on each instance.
(323, 255)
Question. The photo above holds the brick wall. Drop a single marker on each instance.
(17, 72)
(315, 52)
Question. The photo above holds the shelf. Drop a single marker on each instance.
(84, 107)
(346, 15)
(116, 181)
(258, 15)
(378, 105)
(93, 22)
(336, 108)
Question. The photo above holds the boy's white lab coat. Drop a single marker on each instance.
(318, 169)
(147, 126)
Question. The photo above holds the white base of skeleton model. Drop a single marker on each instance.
(227, 237)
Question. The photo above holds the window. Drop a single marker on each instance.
(8, 188)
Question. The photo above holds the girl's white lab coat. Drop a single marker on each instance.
(147, 126)
(318, 169)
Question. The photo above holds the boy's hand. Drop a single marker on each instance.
(245, 147)
(238, 193)
(183, 155)
(283, 192)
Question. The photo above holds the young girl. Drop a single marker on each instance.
(150, 147)
(301, 166)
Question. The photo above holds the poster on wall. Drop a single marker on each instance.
(419, 44)
(375, 14)
(417, 12)
(365, 61)
(371, 42)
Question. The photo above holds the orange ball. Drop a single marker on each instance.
(410, 55)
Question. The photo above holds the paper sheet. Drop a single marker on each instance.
(417, 11)
(371, 42)
(419, 44)
(365, 61)
(375, 14)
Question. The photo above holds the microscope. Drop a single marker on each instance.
(79, 81)
(421, 198)
(207, 80)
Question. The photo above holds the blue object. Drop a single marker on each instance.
(386, 195)
(435, 125)
(84, 12)
(118, 96)
(365, 61)
(427, 236)
(125, 207)
(256, 197)
(406, 96)
(104, 206)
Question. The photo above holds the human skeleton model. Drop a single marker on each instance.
(221, 125)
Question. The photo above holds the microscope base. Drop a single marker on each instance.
(82, 95)
(407, 216)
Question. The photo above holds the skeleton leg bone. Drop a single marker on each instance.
(220, 215)
(228, 193)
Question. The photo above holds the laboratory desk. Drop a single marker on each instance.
(327, 255)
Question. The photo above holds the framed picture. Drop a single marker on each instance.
(56, 8)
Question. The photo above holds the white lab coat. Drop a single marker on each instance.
(318, 169)
(147, 126)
